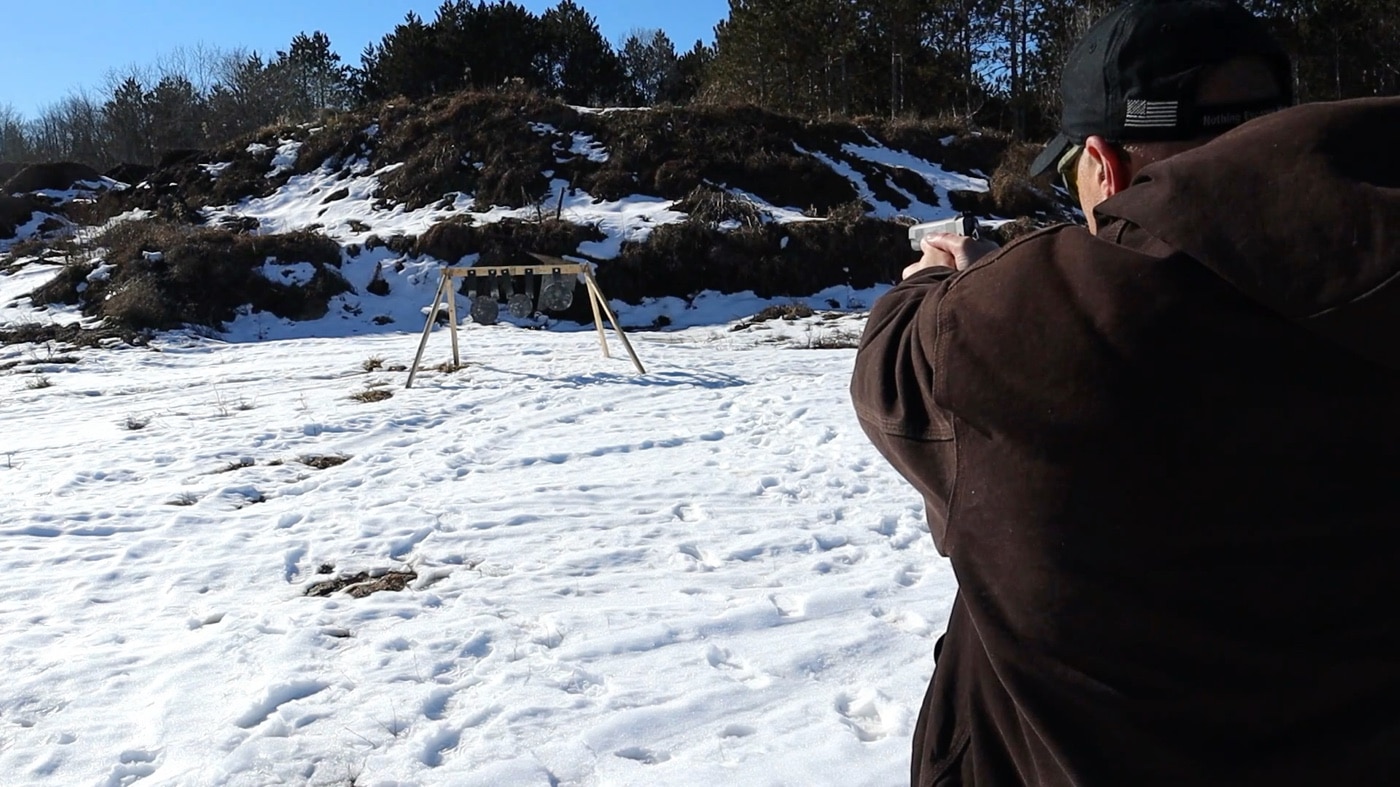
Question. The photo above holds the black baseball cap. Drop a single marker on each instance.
(1134, 74)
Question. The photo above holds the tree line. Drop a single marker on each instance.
(992, 63)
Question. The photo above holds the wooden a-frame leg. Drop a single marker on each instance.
(427, 329)
(593, 300)
(451, 294)
(600, 302)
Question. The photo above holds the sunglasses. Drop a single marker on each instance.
(1068, 167)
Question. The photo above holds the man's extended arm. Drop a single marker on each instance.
(892, 389)
(892, 386)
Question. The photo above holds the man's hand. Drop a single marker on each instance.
(958, 252)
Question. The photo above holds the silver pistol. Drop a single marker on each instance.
(965, 225)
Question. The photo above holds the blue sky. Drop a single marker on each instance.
(48, 50)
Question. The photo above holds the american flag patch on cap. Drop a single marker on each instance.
(1151, 114)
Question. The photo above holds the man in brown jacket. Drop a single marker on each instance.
(1163, 452)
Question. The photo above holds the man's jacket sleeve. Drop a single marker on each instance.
(892, 389)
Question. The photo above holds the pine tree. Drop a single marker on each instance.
(579, 66)
(405, 62)
(176, 113)
(247, 98)
(128, 122)
(488, 44)
(650, 66)
(692, 70)
(311, 77)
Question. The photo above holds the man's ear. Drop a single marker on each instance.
(1108, 165)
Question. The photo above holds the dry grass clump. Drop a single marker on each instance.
(787, 311)
(14, 212)
(670, 151)
(1013, 192)
(181, 182)
(474, 142)
(834, 339)
(507, 242)
(71, 335)
(370, 395)
(323, 462)
(714, 205)
(238, 464)
(362, 584)
(166, 274)
(921, 136)
(56, 175)
(771, 260)
(1014, 229)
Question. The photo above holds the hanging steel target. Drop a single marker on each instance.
(557, 295)
(522, 304)
(485, 311)
(485, 307)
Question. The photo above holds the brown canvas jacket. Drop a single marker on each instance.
(1165, 463)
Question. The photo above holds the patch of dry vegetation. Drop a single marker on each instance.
(371, 395)
(441, 142)
(323, 461)
(167, 274)
(362, 584)
(771, 260)
(68, 335)
(507, 242)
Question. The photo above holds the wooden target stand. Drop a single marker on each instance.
(548, 267)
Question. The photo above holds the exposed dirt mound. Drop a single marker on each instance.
(15, 212)
(505, 148)
(480, 143)
(671, 151)
(163, 275)
(362, 584)
(57, 176)
(67, 335)
(187, 180)
(506, 242)
(131, 174)
(772, 260)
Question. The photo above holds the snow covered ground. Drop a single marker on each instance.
(699, 576)
(702, 575)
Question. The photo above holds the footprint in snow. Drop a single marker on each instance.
(789, 606)
(698, 559)
(722, 658)
(906, 621)
(133, 765)
(277, 696)
(438, 744)
(644, 756)
(865, 713)
(725, 661)
(909, 575)
(197, 623)
(687, 512)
